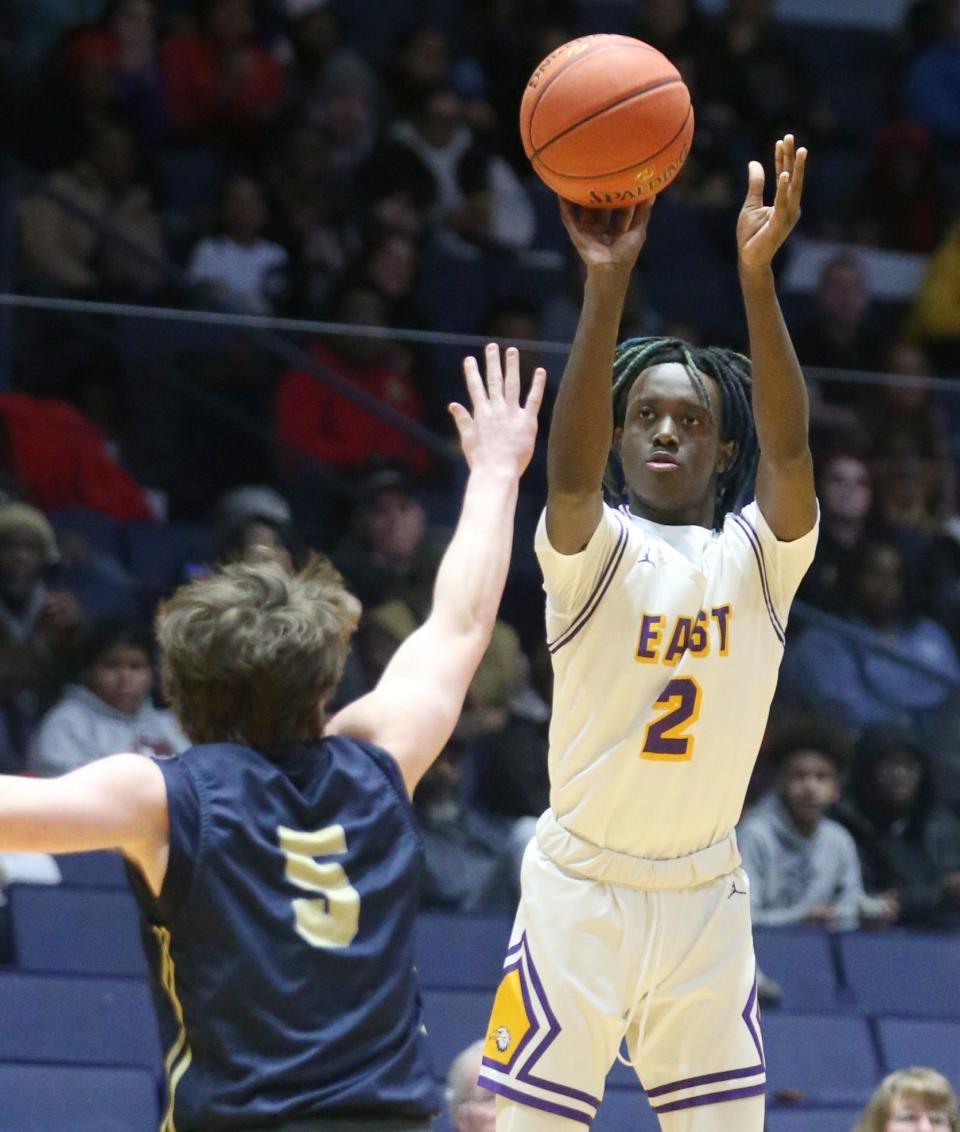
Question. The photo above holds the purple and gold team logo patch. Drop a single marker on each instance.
(510, 1021)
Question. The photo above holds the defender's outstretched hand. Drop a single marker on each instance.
(607, 237)
(500, 432)
(762, 229)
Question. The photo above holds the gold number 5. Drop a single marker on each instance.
(332, 918)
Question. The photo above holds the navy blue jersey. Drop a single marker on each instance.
(281, 943)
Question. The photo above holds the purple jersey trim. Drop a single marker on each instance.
(750, 535)
(712, 1098)
(706, 1079)
(533, 1102)
(596, 594)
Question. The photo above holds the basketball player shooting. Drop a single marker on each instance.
(666, 609)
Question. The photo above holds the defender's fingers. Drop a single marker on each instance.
(779, 158)
(796, 180)
(755, 182)
(511, 383)
(461, 418)
(494, 372)
(471, 373)
(537, 386)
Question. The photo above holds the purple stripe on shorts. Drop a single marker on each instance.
(533, 1102)
(750, 535)
(748, 1021)
(706, 1079)
(712, 1098)
(603, 584)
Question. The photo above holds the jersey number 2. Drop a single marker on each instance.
(665, 738)
(331, 918)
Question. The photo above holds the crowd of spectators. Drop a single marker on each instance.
(360, 164)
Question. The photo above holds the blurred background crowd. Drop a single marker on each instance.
(248, 163)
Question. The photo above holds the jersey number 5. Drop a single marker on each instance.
(332, 918)
(665, 739)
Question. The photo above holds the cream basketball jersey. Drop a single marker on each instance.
(665, 643)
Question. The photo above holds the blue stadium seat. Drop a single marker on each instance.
(157, 552)
(76, 931)
(77, 1021)
(51, 1098)
(801, 961)
(625, 1110)
(824, 1059)
(100, 532)
(461, 952)
(92, 870)
(454, 1020)
(905, 1042)
(903, 973)
(811, 1120)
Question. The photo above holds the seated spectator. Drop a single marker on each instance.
(908, 841)
(931, 92)
(472, 1107)
(419, 63)
(62, 460)
(390, 553)
(934, 320)
(239, 268)
(63, 249)
(221, 86)
(314, 418)
(827, 672)
(40, 628)
(911, 1099)
(803, 867)
(471, 196)
(110, 710)
(388, 262)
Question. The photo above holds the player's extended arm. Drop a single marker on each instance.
(785, 491)
(581, 429)
(115, 803)
(416, 704)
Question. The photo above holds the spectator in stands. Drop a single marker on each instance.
(91, 230)
(803, 867)
(932, 86)
(841, 677)
(472, 1107)
(222, 87)
(61, 459)
(239, 268)
(471, 196)
(389, 262)
(934, 320)
(911, 1099)
(315, 419)
(390, 552)
(419, 64)
(40, 627)
(908, 841)
(110, 709)
(256, 538)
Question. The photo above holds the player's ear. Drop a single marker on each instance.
(726, 455)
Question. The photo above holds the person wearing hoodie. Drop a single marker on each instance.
(110, 710)
(908, 841)
(803, 866)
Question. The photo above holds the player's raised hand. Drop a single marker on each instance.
(761, 228)
(607, 236)
(499, 432)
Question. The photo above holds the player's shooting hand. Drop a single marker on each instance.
(607, 237)
(761, 228)
(499, 433)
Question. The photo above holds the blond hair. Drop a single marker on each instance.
(252, 652)
(928, 1085)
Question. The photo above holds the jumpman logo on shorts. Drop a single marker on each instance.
(734, 891)
(646, 559)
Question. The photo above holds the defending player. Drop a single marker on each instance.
(665, 620)
(277, 868)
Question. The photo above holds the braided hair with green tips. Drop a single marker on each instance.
(731, 372)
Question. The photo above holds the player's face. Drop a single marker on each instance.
(670, 446)
(122, 678)
(808, 787)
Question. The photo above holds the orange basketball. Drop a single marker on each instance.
(606, 120)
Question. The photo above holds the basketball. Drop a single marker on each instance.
(606, 120)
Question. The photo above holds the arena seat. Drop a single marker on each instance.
(801, 961)
(461, 951)
(903, 973)
(51, 1098)
(100, 532)
(77, 1021)
(820, 1059)
(66, 931)
(92, 870)
(905, 1042)
(157, 552)
(811, 1120)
